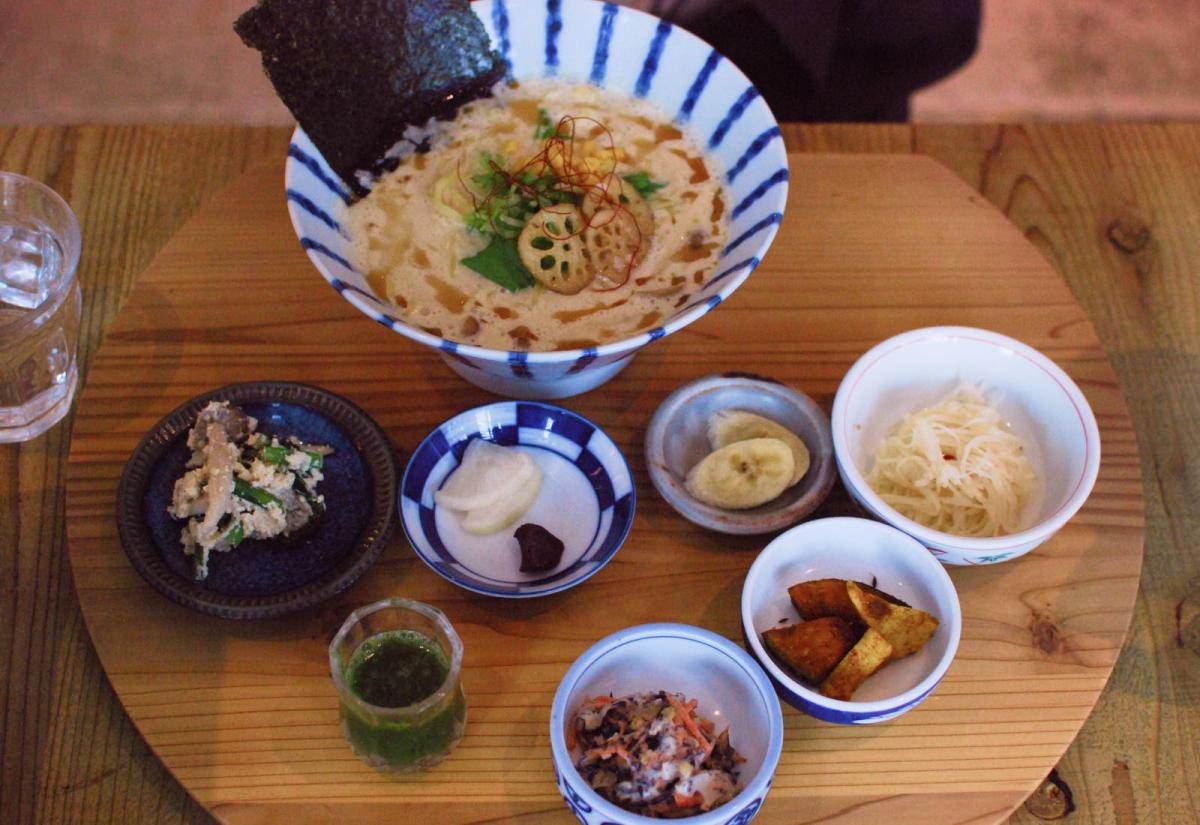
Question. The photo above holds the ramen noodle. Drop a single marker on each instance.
(551, 216)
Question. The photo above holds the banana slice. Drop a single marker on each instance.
(502, 513)
(743, 474)
(488, 473)
(728, 426)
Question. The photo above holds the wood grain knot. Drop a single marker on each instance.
(88, 781)
(1187, 618)
(1129, 239)
(1052, 800)
(1046, 635)
(1120, 790)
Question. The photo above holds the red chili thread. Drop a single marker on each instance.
(570, 180)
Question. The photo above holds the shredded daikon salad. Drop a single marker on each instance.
(956, 467)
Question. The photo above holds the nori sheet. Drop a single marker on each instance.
(357, 73)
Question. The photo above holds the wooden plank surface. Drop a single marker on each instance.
(245, 715)
(70, 755)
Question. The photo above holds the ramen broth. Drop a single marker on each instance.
(411, 234)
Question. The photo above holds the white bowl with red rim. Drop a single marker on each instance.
(1035, 397)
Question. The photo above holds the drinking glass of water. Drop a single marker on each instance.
(40, 304)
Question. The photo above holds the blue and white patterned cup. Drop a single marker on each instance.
(613, 48)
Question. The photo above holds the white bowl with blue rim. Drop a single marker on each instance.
(729, 686)
(865, 551)
(1036, 398)
(587, 499)
(614, 48)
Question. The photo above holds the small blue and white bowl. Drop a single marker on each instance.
(866, 551)
(731, 690)
(587, 499)
(614, 48)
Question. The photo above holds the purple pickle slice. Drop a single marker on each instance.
(541, 550)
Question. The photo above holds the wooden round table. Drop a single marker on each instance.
(245, 715)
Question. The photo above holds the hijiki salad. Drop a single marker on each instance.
(653, 755)
(242, 484)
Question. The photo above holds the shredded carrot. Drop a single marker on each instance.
(684, 714)
(611, 750)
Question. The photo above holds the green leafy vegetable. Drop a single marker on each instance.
(544, 129)
(642, 183)
(500, 263)
(509, 201)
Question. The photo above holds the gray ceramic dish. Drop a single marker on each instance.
(677, 439)
(263, 579)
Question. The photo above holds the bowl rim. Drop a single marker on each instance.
(559, 587)
(853, 477)
(776, 198)
(818, 480)
(759, 783)
(850, 708)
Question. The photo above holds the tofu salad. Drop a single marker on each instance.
(242, 484)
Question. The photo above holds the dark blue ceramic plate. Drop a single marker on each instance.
(260, 579)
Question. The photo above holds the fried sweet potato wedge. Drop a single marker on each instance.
(812, 649)
(870, 653)
(905, 628)
(828, 597)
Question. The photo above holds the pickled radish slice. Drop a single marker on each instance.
(502, 513)
(488, 474)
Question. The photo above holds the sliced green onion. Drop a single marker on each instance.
(235, 535)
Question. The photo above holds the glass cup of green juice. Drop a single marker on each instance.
(396, 665)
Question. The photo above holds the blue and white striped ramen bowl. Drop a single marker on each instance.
(587, 499)
(614, 48)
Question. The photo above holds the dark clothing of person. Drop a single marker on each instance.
(837, 60)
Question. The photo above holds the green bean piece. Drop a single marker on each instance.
(253, 494)
(275, 455)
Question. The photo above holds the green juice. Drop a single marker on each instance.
(398, 669)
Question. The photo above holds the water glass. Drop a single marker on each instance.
(423, 718)
(40, 305)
